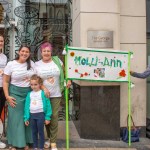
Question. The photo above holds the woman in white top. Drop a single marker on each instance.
(16, 85)
(3, 61)
(50, 69)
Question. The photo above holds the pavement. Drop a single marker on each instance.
(77, 143)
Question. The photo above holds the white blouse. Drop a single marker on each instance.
(50, 74)
(20, 76)
(3, 62)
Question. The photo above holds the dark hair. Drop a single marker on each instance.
(29, 58)
(38, 78)
(1, 35)
(3, 38)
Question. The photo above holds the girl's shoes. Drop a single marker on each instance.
(26, 147)
(47, 144)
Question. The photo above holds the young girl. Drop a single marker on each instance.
(37, 111)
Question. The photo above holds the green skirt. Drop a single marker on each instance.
(18, 134)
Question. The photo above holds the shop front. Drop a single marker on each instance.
(32, 22)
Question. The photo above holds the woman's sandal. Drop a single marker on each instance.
(26, 147)
(12, 148)
(53, 146)
(47, 144)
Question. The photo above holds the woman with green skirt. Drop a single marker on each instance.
(16, 85)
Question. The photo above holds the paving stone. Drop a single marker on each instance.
(101, 149)
(77, 143)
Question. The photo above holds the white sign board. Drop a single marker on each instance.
(98, 65)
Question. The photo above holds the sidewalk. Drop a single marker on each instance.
(76, 143)
(94, 149)
(82, 144)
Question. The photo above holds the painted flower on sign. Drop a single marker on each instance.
(76, 70)
(81, 74)
(122, 73)
(85, 73)
(72, 54)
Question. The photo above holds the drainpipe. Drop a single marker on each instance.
(12, 39)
